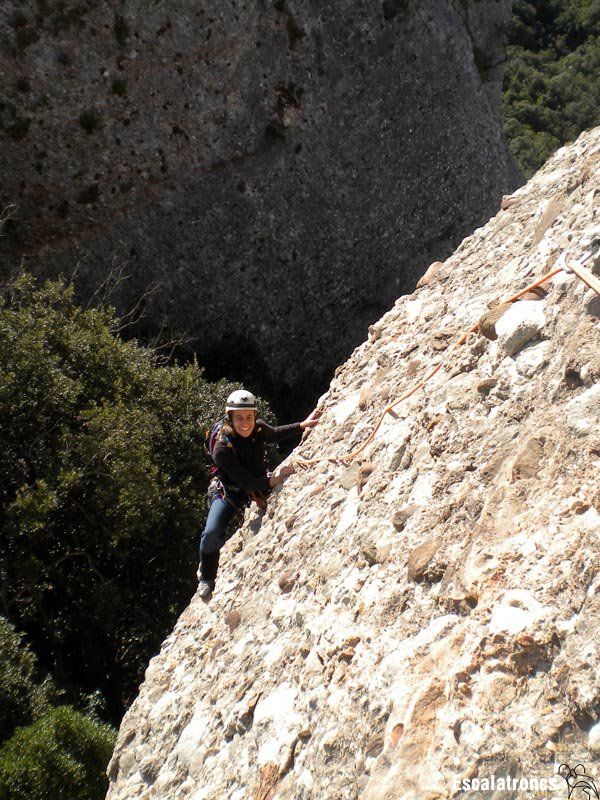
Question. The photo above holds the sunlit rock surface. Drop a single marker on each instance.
(427, 614)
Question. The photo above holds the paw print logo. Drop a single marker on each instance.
(581, 786)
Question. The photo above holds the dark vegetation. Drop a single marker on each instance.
(47, 749)
(552, 83)
(102, 485)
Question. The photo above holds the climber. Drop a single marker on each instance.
(236, 446)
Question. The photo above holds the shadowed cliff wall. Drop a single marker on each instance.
(279, 172)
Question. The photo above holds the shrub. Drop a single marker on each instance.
(23, 695)
(62, 755)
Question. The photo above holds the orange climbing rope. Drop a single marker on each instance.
(579, 270)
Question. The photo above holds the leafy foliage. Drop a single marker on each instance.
(61, 755)
(552, 81)
(23, 695)
(102, 481)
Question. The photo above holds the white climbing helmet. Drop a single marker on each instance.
(241, 400)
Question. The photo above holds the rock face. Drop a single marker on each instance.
(427, 614)
(270, 176)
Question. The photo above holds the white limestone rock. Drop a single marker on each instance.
(356, 682)
(517, 610)
(594, 739)
(520, 323)
(583, 411)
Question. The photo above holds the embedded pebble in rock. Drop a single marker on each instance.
(428, 612)
(233, 620)
(421, 557)
(594, 739)
(350, 476)
(430, 274)
(287, 580)
(487, 323)
(520, 323)
(583, 412)
(402, 515)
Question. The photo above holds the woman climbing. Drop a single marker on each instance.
(238, 452)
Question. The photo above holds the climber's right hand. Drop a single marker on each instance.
(280, 474)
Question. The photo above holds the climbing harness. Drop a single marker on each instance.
(234, 497)
(216, 488)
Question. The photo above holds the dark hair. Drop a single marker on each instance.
(226, 429)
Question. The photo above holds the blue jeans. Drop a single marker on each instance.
(215, 533)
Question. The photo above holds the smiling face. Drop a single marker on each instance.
(243, 422)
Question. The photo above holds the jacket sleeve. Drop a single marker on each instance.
(225, 459)
(279, 433)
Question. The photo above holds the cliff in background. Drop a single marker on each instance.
(279, 172)
(427, 614)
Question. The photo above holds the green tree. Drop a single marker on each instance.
(552, 80)
(61, 755)
(102, 482)
(24, 694)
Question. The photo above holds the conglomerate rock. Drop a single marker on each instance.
(268, 176)
(424, 619)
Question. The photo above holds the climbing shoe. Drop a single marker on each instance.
(206, 588)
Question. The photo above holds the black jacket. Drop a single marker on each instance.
(241, 461)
